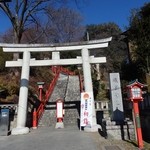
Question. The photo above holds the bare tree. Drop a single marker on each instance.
(33, 34)
(65, 25)
(23, 13)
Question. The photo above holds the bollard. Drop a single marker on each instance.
(34, 119)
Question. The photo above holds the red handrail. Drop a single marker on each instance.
(40, 109)
(57, 69)
(51, 87)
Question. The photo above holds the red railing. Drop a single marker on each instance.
(67, 71)
(81, 83)
(59, 69)
(51, 87)
(38, 113)
(47, 96)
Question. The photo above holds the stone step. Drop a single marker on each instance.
(72, 101)
(49, 116)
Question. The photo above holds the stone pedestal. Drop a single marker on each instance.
(20, 130)
(123, 131)
(94, 128)
(59, 125)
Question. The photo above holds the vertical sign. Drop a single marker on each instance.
(59, 106)
(86, 109)
(116, 97)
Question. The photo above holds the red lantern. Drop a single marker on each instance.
(40, 87)
(135, 91)
(135, 95)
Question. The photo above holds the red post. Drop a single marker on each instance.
(135, 95)
(34, 119)
(138, 124)
(59, 120)
(40, 96)
(40, 87)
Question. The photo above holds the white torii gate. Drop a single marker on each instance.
(26, 62)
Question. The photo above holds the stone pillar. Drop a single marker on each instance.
(98, 72)
(88, 82)
(102, 105)
(23, 96)
(117, 113)
(107, 105)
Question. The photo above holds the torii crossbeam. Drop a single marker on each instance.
(26, 62)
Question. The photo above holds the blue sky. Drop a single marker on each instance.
(97, 12)
(103, 11)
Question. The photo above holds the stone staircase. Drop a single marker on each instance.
(49, 116)
(67, 88)
(72, 102)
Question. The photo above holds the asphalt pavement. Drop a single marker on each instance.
(69, 138)
(49, 138)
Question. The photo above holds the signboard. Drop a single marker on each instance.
(116, 97)
(86, 109)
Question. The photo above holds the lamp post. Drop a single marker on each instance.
(40, 87)
(135, 95)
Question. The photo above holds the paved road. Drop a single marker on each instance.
(69, 138)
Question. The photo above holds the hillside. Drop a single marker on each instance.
(10, 84)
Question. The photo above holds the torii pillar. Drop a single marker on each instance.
(23, 96)
(88, 86)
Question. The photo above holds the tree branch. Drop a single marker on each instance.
(33, 9)
(23, 12)
(5, 8)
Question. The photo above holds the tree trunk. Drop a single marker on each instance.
(17, 40)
